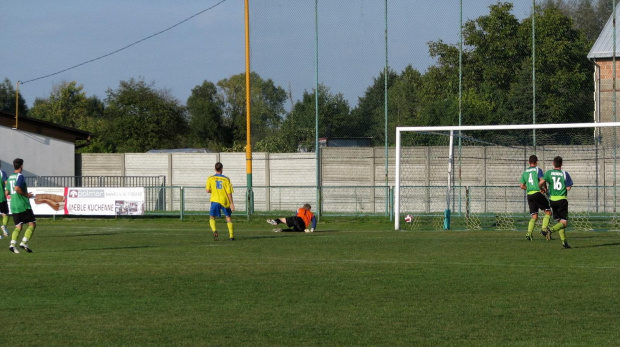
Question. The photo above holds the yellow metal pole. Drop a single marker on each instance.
(248, 147)
(16, 104)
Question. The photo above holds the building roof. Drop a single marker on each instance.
(180, 150)
(604, 45)
(37, 126)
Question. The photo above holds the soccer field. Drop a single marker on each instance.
(165, 282)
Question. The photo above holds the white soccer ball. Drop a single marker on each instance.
(408, 218)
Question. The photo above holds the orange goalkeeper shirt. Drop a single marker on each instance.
(306, 215)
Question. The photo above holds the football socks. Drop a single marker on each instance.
(545, 222)
(212, 224)
(231, 231)
(530, 225)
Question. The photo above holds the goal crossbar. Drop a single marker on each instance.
(454, 128)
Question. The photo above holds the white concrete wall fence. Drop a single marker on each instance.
(354, 179)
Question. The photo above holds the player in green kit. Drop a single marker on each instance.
(20, 207)
(560, 183)
(531, 179)
(4, 206)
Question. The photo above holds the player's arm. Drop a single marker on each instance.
(232, 204)
(523, 186)
(20, 191)
(208, 186)
(568, 182)
(542, 184)
(18, 187)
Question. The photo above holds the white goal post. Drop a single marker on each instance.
(450, 164)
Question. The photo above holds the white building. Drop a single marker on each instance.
(47, 149)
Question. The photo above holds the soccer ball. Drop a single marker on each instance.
(408, 218)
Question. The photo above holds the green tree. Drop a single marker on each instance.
(497, 72)
(496, 53)
(141, 118)
(267, 107)
(368, 118)
(404, 100)
(586, 19)
(206, 110)
(298, 129)
(7, 99)
(589, 16)
(563, 72)
(67, 105)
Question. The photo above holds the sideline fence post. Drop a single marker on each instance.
(182, 202)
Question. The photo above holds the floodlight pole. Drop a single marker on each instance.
(317, 149)
(385, 111)
(613, 59)
(248, 122)
(16, 105)
(534, 72)
(446, 216)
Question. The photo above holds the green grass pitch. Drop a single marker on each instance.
(165, 282)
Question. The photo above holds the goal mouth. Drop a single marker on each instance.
(467, 177)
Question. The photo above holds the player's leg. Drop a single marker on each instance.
(530, 225)
(562, 233)
(543, 204)
(277, 221)
(27, 236)
(546, 231)
(531, 202)
(560, 213)
(17, 219)
(4, 210)
(299, 224)
(213, 228)
(229, 223)
(28, 217)
(215, 211)
(290, 222)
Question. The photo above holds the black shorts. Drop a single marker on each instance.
(296, 223)
(537, 201)
(560, 209)
(24, 217)
(4, 207)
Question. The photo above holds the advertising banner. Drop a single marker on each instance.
(104, 201)
(87, 201)
(47, 201)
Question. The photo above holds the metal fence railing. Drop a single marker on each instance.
(96, 181)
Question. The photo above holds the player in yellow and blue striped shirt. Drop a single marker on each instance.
(221, 190)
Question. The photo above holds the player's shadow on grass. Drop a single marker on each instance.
(601, 245)
(275, 235)
(108, 248)
(93, 234)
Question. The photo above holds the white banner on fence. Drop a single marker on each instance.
(87, 201)
(47, 201)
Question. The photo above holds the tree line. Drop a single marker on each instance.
(496, 88)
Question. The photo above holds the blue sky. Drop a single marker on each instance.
(41, 37)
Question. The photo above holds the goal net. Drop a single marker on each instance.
(467, 177)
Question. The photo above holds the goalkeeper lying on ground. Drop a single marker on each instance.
(303, 221)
